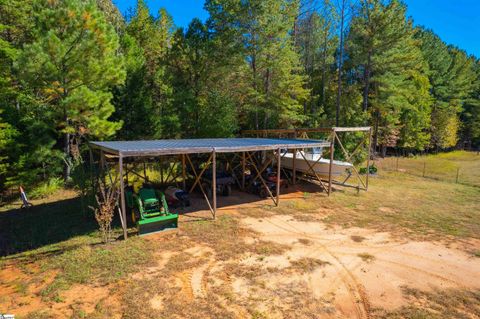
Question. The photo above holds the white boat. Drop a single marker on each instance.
(320, 165)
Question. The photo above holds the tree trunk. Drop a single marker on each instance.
(366, 76)
(375, 137)
(66, 149)
(340, 65)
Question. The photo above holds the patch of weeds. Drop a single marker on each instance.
(357, 239)
(307, 264)
(176, 304)
(47, 188)
(476, 253)
(366, 257)
(78, 314)
(21, 287)
(103, 264)
(225, 236)
(43, 314)
(181, 262)
(304, 241)
(258, 315)
(437, 304)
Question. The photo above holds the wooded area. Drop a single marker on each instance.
(77, 70)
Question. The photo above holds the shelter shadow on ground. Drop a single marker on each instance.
(44, 224)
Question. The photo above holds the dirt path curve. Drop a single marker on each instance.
(369, 273)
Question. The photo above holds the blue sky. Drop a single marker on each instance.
(457, 22)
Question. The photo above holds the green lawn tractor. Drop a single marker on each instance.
(150, 211)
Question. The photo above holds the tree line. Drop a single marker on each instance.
(78, 70)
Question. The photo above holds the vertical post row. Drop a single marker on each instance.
(184, 173)
(332, 150)
(214, 182)
(243, 171)
(368, 158)
(294, 166)
(122, 196)
(279, 158)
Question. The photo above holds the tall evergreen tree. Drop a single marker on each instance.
(395, 87)
(146, 100)
(71, 65)
(470, 115)
(451, 76)
(317, 42)
(273, 81)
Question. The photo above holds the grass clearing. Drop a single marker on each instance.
(103, 264)
(410, 205)
(441, 166)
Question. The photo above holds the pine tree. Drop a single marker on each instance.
(145, 102)
(273, 82)
(316, 41)
(451, 76)
(71, 64)
(470, 115)
(201, 83)
(395, 87)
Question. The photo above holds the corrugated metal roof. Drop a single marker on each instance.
(204, 145)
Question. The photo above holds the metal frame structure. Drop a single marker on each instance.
(127, 150)
(334, 138)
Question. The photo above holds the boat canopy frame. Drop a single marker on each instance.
(334, 135)
(124, 151)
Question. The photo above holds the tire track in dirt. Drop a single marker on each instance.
(199, 280)
(355, 289)
(186, 284)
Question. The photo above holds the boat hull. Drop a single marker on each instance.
(321, 167)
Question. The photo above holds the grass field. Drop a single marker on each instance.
(418, 238)
(443, 166)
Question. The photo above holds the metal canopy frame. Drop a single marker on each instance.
(334, 138)
(247, 146)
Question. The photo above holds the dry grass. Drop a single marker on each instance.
(442, 166)
(103, 264)
(409, 205)
(438, 304)
(357, 239)
(307, 264)
(226, 237)
(366, 257)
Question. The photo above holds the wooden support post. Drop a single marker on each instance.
(92, 170)
(243, 171)
(214, 182)
(368, 158)
(294, 167)
(122, 197)
(279, 160)
(145, 171)
(184, 173)
(330, 167)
